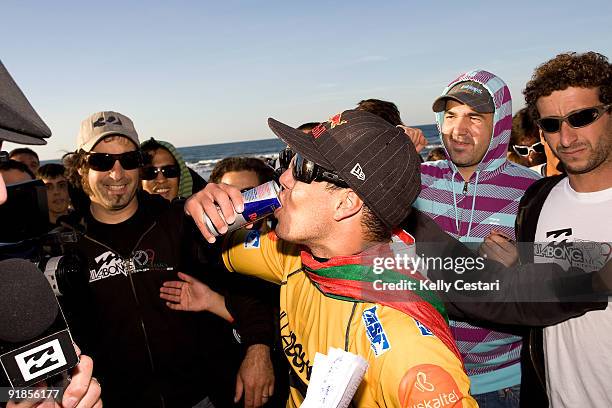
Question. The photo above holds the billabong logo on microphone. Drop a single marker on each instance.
(41, 360)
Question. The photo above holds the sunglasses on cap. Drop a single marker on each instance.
(105, 161)
(308, 171)
(576, 119)
(151, 172)
(524, 151)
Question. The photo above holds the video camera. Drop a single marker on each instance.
(25, 234)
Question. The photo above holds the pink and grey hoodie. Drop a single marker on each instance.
(469, 211)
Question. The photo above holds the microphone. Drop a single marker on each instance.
(35, 342)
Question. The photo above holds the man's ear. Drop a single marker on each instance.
(348, 204)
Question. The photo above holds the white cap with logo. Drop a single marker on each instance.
(103, 124)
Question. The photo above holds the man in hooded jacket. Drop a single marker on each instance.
(473, 196)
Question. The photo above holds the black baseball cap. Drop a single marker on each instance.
(470, 93)
(19, 122)
(376, 159)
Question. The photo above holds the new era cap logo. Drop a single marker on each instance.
(358, 172)
(111, 120)
(40, 360)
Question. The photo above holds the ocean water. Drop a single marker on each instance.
(203, 158)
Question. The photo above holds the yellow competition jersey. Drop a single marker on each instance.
(408, 365)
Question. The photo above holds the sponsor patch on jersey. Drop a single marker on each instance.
(252, 240)
(424, 330)
(375, 331)
(429, 385)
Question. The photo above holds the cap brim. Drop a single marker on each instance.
(439, 104)
(20, 138)
(299, 142)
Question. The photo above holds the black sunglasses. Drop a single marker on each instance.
(106, 161)
(151, 172)
(524, 151)
(284, 158)
(308, 171)
(576, 119)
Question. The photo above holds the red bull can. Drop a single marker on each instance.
(259, 202)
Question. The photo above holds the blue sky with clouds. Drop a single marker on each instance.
(200, 72)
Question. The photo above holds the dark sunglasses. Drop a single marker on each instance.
(576, 119)
(106, 161)
(169, 171)
(524, 151)
(284, 158)
(308, 171)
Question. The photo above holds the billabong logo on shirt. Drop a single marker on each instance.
(566, 250)
(375, 331)
(107, 264)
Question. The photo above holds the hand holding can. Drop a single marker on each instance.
(259, 202)
(218, 206)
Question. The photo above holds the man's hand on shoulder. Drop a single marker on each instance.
(416, 136)
(499, 247)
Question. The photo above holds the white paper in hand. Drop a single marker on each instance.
(334, 379)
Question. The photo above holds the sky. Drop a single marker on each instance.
(204, 72)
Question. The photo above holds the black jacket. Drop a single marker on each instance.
(147, 355)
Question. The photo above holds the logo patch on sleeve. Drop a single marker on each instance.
(375, 331)
(252, 239)
(424, 330)
(428, 385)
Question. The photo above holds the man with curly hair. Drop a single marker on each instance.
(570, 98)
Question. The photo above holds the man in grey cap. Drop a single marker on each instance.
(473, 196)
(152, 355)
(19, 123)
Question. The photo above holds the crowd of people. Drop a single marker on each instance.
(167, 324)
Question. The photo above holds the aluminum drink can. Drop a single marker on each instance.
(259, 202)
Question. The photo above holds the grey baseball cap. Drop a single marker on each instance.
(102, 124)
(470, 93)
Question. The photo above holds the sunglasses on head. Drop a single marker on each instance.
(106, 161)
(576, 119)
(151, 172)
(524, 151)
(308, 171)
